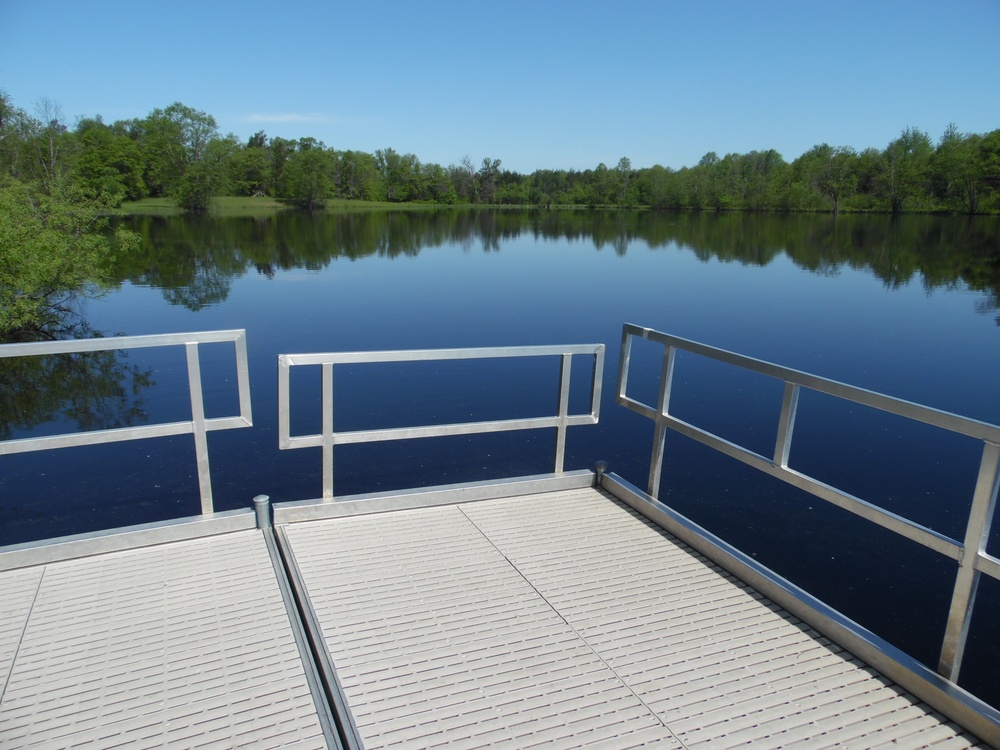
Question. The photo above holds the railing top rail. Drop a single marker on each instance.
(427, 355)
(110, 343)
(929, 415)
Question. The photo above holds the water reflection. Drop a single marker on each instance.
(193, 260)
(71, 393)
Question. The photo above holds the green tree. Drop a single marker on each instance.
(829, 171)
(108, 163)
(487, 180)
(53, 248)
(171, 140)
(359, 179)
(280, 151)
(308, 175)
(624, 174)
(660, 187)
(904, 169)
(16, 128)
(400, 175)
(958, 170)
(249, 171)
(463, 177)
(437, 184)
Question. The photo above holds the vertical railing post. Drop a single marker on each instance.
(662, 410)
(624, 360)
(198, 427)
(786, 424)
(328, 431)
(243, 376)
(963, 599)
(563, 416)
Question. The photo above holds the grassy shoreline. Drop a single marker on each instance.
(240, 206)
(263, 206)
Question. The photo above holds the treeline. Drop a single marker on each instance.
(178, 152)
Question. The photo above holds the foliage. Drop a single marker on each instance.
(109, 163)
(177, 152)
(53, 248)
(307, 176)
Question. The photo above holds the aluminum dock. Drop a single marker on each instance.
(556, 619)
(567, 610)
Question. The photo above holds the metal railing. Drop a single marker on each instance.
(198, 425)
(970, 553)
(328, 437)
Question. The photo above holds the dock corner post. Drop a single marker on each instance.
(600, 468)
(262, 507)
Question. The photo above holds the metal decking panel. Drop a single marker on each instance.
(181, 645)
(570, 619)
(18, 588)
(438, 640)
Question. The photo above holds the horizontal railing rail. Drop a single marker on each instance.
(561, 420)
(198, 426)
(970, 552)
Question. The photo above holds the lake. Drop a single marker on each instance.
(907, 306)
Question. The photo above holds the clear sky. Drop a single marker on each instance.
(535, 84)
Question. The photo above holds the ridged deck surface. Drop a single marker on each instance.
(561, 620)
(183, 645)
(568, 621)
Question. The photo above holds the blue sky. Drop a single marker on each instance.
(537, 85)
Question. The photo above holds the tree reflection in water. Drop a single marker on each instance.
(83, 391)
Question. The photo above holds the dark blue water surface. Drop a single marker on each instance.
(903, 306)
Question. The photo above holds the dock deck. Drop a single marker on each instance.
(560, 619)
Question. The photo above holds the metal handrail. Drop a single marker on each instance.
(328, 438)
(970, 553)
(198, 425)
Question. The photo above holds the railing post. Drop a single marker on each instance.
(198, 427)
(563, 415)
(624, 360)
(786, 424)
(963, 599)
(662, 409)
(328, 432)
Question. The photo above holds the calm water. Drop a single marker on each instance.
(903, 306)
